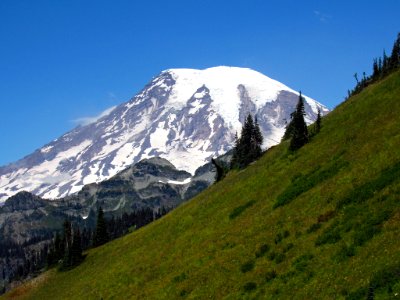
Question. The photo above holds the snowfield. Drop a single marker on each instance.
(186, 116)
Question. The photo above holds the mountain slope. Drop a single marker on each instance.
(185, 116)
(149, 184)
(334, 233)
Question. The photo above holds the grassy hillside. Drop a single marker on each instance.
(323, 223)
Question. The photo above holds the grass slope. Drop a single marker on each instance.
(323, 223)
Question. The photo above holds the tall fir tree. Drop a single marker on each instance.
(67, 244)
(394, 61)
(248, 147)
(289, 128)
(100, 235)
(299, 135)
(256, 140)
(76, 248)
(235, 154)
(318, 122)
(221, 169)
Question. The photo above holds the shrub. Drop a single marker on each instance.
(314, 227)
(364, 234)
(240, 209)
(247, 266)
(301, 263)
(368, 189)
(262, 250)
(330, 235)
(249, 286)
(280, 257)
(179, 278)
(271, 255)
(303, 183)
(383, 279)
(345, 252)
(278, 238)
(271, 275)
(326, 216)
(288, 247)
(386, 278)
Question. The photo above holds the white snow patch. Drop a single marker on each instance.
(187, 180)
(46, 149)
(159, 137)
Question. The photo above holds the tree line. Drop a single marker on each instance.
(67, 249)
(381, 67)
(64, 249)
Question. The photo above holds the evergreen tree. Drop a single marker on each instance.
(248, 147)
(289, 128)
(300, 132)
(220, 168)
(100, 235)
(375, 69)
(256, 141)
(394, 61)
(58, 247)
(66, 244)
(236, 154)
(385, 63)
(76, 248)
(73, 253)
(67, 235)
(67, 239)
(318, 122)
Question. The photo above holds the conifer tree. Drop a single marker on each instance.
(256, 141)
(375, 69)
(300, 132)
(318, 122)
(76, 248)
(66, 243)
(289, 128)
(56, 250)
(385, 63)
(220, 168)
(248, 147)
(235, 154)
(100, 235)
(394, 60)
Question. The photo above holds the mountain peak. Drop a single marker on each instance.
(186, 116)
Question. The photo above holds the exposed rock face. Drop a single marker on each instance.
(151, 183)
(185, 116)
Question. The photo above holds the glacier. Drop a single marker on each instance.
(186, 116)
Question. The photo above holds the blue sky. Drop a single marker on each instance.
(63, 61)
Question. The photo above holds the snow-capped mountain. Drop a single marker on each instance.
(183, 115)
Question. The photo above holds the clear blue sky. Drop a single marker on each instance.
(68, 59)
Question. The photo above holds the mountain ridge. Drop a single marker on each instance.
(185, 116)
